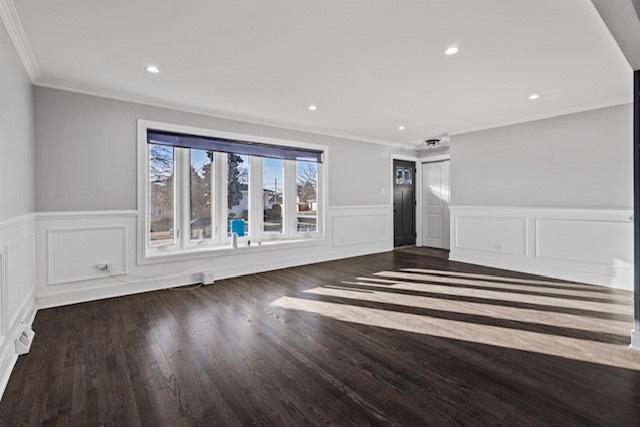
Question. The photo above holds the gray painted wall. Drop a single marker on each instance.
(576, 160)
(86, 153)
(16, 133)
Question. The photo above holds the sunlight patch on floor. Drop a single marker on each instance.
(430, 284)
(559, 289)
(513, 297)
(473, 308)
(494, 278)
(570, 348)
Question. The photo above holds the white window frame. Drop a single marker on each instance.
(225, 238)
(294, 211)
(274, 235)
(185, 169)
(185, 248)
(147, 189)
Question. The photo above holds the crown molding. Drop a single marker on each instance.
(549, 115)
(531, 118)
(12, 23)
(219, 114)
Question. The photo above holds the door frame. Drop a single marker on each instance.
(418, 190)
(635, 334)
(419, 160)
(438, 159)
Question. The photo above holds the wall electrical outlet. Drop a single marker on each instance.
(104, 267)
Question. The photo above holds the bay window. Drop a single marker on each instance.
(200, 189)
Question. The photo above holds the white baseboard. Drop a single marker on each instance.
(592, 246)
(17, 287)
(635, 337)
(121, 286)
(576, 273)
(69, 245)
(8, 355)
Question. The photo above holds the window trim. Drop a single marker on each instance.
(185, 248)
(294, 209)
(147, 189)
(188, 242)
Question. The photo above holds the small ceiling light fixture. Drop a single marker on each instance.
(436, 142)
(312, 107)
(451, 50)
(401, 127)
(153, 69)
(533, 96)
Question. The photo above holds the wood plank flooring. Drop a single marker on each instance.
(399, 338)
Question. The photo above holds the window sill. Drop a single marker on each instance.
(156, 255)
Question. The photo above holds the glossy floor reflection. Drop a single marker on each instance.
(400, 338)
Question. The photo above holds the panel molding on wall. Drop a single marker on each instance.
(508, 234)
(17, 286)
(360, 226)
(61, 253)
(585, 245)
(351, 231)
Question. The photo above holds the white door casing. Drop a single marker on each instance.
(435, 204)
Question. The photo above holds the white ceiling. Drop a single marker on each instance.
(369, 65)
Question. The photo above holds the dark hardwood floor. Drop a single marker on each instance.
(400, 338)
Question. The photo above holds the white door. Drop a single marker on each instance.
(435, 204)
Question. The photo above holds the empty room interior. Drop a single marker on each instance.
(283, 212)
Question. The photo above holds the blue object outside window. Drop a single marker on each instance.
(237, 226)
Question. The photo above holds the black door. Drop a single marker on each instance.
(404, 203)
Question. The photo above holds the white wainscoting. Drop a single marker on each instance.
(585, 245)
(70, 246)
(360, 225)
(17, 286)
(80, 241)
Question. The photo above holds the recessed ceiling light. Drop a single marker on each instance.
(401, 127)
(153, 69)
(312, 107)
(534, 96)
(451, 51)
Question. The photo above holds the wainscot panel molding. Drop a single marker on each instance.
(584, 245)
(361, 225)
(79, 241)
(71, 246)
(17, 286)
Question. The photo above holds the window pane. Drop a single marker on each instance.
(161, 195)
(272, 194)
(307, 203)
(238, 190)
(201, 194)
